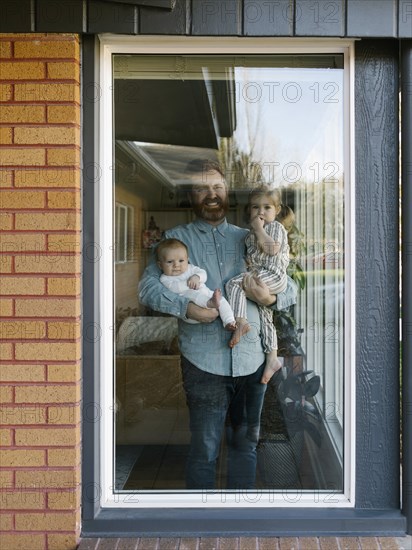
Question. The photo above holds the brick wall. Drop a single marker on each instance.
(40, 268)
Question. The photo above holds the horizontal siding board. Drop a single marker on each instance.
(263, 18)
(216, 17)
(377, 18)
(405, 19)
(156, 21)
(57, 16)
(15, 16)
(111, 17)
(320, 18)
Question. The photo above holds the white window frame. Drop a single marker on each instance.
(115, 44)
(126, 253)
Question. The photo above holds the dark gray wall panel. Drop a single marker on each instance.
(406, 279)
(216, 17)
(377, 281)
(263, 18)
(176, 21)
(320, 18)
(57, 16)
(375, 18)
(15, 16)
(405, 19)
(111, 17)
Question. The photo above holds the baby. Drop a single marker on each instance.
(189, 280)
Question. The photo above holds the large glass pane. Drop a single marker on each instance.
(274, 120)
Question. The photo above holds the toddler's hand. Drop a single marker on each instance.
(257, 223)
(193, 282)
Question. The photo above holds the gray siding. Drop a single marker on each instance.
(322, 18)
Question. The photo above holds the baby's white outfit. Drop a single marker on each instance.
(178, 284)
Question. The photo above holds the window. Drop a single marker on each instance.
(279, 117)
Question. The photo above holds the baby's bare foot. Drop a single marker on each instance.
(242, 328)
(231, 327)
(214, 301)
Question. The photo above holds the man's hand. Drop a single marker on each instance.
(257, 291)
(201, 314)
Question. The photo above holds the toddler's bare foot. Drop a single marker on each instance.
(242, 328)
(231, 327)
(272, 365)
(214, 301)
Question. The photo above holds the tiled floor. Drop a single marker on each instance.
(252, 543)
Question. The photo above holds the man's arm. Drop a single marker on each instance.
(259, 292)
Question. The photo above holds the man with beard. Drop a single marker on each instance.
(223, 385)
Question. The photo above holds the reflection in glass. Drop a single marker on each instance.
(276, 120)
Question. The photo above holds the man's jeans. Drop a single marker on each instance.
(215, 401)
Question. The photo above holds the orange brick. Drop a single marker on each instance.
(63, 199)
(6, 479)
(59, 92)
(63, 286)
(6, 394)
(46, 49)
(63, 500)
(47, 135)
(5, 438)
(13, 457)
(63, 157)
(6, 352)
(6, 522)
(48, 479)
(48, 351)
(62, 542)
(50, 263)
(46, 437)
(50, 307)
(47, 394)
(22, 199)
(5, 92)
(22, 373)
(64, 414)
(22, 70)
(64, 457)
(5, 264)
(64, 330)
(6, 221)
(18, 415)
(6, 307)
(22, 330)
(29, 242)
(23, 542)
(23, 157)
(6, 178)
(47, 522)
(5, 49)
(64, 373)
(48, 221)
(63, 114)
(19, 500)
(65, 243)
(63, 70)
(22, 285)
(60, 177)
(6, 136)
(22, 113)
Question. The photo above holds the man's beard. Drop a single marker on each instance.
(214, 214)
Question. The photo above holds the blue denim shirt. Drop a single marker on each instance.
(220, 251)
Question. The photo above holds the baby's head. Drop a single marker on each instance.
(172, 257)
(264, 201)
